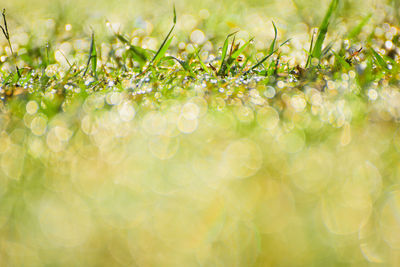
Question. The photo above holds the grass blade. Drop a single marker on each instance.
(323, 30)
(241, 49)
(224, 52)
(174, 15)
(310, 50)
(139, 54)
(201, 61)
(184, 64)
(7, 36)
(163, 49)
(259, 63)
(92, 57)
(158, 54)
(327, 48)
(272, 47)
(343, 63)
(379, 59)
(235, 53)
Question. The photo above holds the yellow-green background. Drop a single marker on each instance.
(194, 181)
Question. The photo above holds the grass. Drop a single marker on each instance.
(210, 147)
(317, 51)
(4, 29)
(92, 57)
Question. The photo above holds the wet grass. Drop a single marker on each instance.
(117, 149)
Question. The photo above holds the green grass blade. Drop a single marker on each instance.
(379, 59)
(201, 61)
(139, 54)
(272, 47)
(259, 63)
(185, 65)
(241, 49)
(323, 30)
(90, 59)
(46, 57)
(7, 36)
(341, 61)
(328, 48)
(163, 50)
(157, 56)
(174, 15)
(235, 55)
(94, 56)
(285, 42)
(310, 50)
(224, 52)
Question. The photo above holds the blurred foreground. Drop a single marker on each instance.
(200, 183)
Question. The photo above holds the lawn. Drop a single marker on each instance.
(200, 133)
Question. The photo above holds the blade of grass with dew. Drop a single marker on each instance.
(271, 50)
(224, 52)
(266, 57)
(161, 51)
(186, 66)
(379, 59)
(241, 49)
(272, 46)
(237, 53)
(7, 77)
(7, 36)
(341, 60)
(260, 62)
(323, 30)
(65, 57)
(204, 67)
(226, 63)
(46, 62)
(393, 63)
(139, 54)
(310, 51)
(92, 57)
(327, 48)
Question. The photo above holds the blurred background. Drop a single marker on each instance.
(215, 18)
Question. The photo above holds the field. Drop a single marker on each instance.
(200, 133)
